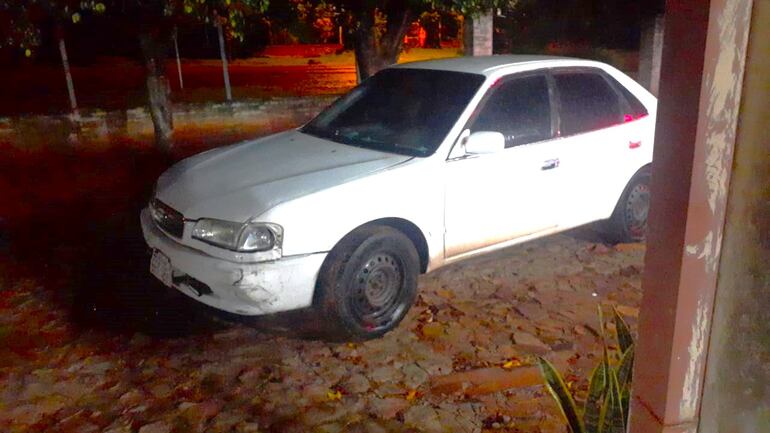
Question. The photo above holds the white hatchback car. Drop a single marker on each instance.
(421, 165)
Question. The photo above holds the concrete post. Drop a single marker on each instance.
(477, 34)
(651, 53)
(704, 52)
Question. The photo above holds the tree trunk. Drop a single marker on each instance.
(223, 56)
(431, 22)
(373, 54)
(68, 77)
(155, 46)
(178, 60)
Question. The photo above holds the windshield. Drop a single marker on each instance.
(405, 111)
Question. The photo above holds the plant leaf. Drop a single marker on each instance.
(597, 389)
(625, 402)
(612, 419)
(625, 368)
(558, 390)
(625, 339)
(603, 413)
(603, 335)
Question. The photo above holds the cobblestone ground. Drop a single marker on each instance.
(460, 362)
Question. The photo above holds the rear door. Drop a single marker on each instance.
(593, 157)
(639, 126)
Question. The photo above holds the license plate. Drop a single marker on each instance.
(160, 266)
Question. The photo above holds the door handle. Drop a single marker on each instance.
(550, 164)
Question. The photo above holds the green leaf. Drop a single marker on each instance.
(602, 332)
(75, 18)
(625, 368)
(611, 418)
(597, 388)
(602, 335)
(100, 8)
(603, 413)
(625, 339)
(625, 402)
(558, 390)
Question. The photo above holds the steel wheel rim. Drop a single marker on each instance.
(637, 210)
(377, 291)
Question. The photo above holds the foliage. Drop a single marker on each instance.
(24, 20)
(304, 21)
(321, 16)
(430, 21)
(606, 406)
(21, 21)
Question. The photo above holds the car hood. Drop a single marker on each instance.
(242, 181)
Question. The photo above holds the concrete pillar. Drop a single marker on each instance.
(651, 53)
(477, 34)
(704, 51)
(736, 397)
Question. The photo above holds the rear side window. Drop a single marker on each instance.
(587, 102)
(636, 108)
(519, 108)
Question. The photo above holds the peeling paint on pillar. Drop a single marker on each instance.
(701, 82)
(720, 101)
(693, 380)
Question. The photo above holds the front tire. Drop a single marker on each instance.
(628, 222)
(368, 283)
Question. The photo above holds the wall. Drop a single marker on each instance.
(650, 54)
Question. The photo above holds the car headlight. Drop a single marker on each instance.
(249, 237)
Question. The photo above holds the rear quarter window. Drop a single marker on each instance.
(635, 108)
(587, 102)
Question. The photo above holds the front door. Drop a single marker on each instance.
(494, 198)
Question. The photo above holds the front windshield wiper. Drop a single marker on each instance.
(319, 132)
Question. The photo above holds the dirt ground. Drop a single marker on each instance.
(92, 343)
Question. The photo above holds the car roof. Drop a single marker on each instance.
(486, 65)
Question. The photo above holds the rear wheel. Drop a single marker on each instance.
(628, 222)
(368, 283)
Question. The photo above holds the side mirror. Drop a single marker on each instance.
(484, 142)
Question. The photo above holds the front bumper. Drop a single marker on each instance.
(242, 288)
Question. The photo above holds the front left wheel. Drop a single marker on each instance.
(368, 283)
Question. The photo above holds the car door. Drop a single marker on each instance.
(591, 115)
(497, 197)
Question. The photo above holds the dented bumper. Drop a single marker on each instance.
(241, 288)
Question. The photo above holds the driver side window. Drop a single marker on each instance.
(519, 108)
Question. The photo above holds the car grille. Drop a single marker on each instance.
(168, 219)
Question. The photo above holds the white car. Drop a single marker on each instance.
(422, 165)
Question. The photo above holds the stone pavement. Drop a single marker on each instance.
(460, 362)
